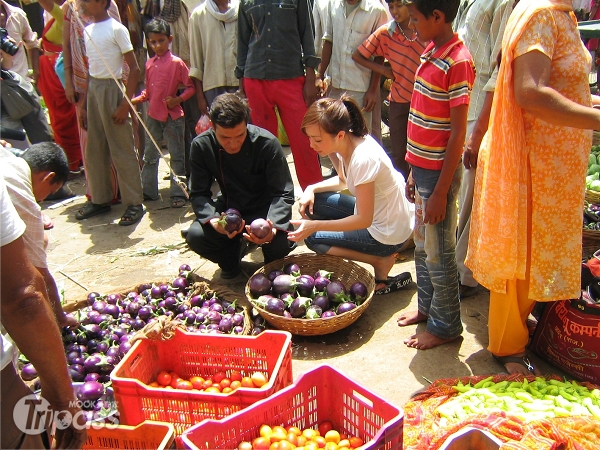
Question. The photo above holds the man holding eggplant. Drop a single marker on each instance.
(250, 168)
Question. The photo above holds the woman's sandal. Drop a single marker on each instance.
(178, 202)
(392, 284)
(132, 215)
(521, 360)
(90, 210)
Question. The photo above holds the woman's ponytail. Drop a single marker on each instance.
(359, 126)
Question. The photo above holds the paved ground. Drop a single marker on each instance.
(98, 255)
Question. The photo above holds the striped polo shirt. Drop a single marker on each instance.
(402, 54)
(443, 80)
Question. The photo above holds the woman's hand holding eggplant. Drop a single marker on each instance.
(305, 229)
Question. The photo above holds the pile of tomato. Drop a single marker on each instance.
(220, 382)
(292, 438)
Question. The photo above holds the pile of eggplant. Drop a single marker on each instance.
(102, 339)
(291, 294)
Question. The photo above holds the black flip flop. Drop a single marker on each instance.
(132, 215)
(392, 284)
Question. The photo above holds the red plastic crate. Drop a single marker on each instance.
(198, 355)
(319, 395)
(154, 435)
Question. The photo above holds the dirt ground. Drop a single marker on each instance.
(98, 255)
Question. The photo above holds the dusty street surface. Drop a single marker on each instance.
(99, 255)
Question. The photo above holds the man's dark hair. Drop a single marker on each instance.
(426, 7)
(158, 26)
(229, 110)
(48, 157)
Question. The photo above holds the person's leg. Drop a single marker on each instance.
(424, 286)
(13, 390)
(214, 246)
(122, 150)
(443, 317)
(151, 158)
(261, 106)
(211, 94)
(191, 115)
(36, 125)
(288, 97)
(279, 247)
(174, 134)
(398, 120)
(465, 205)
(376, 117)
(97, 153)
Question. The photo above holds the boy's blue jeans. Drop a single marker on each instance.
(333, 206)
(173, 133)
(435, 257)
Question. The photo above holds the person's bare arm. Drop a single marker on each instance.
(120, 115)
(534, 95)
(474, 140)
(376, 65)
(68, 61)
(62, 318)
(370, 99)
(325, 57)
(28, 319)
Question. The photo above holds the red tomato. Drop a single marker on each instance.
(247, 382)
(235, 376)
(163, 378)
(226, 390)
(207, 383)
(324, 427)
(225, 382)
(197, 382)
(184, 384)
(259, 379)
(217, 377)
(235, 385)
(174, 381)
(261, 443)
(212, 390)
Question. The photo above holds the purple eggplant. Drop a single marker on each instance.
(291, 269)
(259, 285)
(336, 292)
(274, 274)
(299, 306)
(305, 285)
(275, 306)
(90, 391)
(231, 220)
(345, 307)
(321, 284)
(28, 372)
(358, 292)
(284, 283)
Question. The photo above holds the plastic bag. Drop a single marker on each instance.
(203, 124)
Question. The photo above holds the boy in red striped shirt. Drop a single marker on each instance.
(437, 128)
(397, 43)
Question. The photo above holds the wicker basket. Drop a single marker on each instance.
(592, 196)
(346, 271)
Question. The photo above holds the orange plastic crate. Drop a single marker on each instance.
(154, 435)
(319, 395)
(198, 355)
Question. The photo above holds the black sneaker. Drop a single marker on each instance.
(229, 274)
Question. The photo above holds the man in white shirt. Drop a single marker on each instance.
(27, 318)
(348, 24)
(480, 24)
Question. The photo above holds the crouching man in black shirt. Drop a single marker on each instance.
(253, 175)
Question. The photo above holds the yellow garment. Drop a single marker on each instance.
(54, 33)
(529, 169)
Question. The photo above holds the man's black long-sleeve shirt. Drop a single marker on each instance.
(254, 180)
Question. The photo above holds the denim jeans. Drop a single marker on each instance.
(173, 133)
(333, 206)
(435, 257)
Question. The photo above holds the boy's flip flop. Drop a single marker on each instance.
(392, 284)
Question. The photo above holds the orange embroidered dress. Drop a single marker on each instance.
(529, 189)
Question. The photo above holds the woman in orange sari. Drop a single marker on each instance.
(525, 241)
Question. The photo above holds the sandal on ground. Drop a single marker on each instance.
(177, 202)
(90, 210)
(392, 284)
(522, 360)
(132, 215)
(48, 222)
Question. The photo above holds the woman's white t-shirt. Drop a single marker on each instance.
(393, 214)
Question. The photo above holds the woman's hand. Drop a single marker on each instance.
(266, 240)
(305, 229)
(409, 189)
(435, 209)
(306, 203)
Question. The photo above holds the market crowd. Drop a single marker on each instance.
(489, 105)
